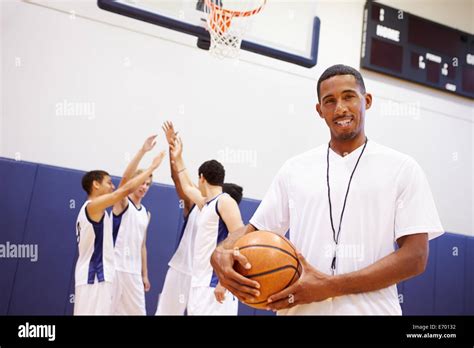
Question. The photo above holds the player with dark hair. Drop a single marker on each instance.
(95, 266)
(234, 190)
(219, 217)
(174, 296)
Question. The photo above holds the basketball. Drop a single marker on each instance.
(275, 265)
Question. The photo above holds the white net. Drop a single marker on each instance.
(227, 23)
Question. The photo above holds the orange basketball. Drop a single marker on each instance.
(275, 265)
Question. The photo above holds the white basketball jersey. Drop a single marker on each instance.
(211, 231)
(182, 259)
(129, 231)
(96, 249)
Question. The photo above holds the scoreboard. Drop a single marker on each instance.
(412, 48)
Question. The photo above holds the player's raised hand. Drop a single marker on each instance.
(157, 160)
(176, 148)
(168, 128)
(149, 143)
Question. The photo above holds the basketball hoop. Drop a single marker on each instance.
(227, 26)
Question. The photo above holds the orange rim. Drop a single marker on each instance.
(230, 13)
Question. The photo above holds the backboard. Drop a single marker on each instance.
(284, 30)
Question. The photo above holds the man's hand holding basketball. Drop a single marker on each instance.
(222, 261)
(312, 286)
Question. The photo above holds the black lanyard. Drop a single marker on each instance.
(334, 235)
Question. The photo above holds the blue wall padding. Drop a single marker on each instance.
(247, 208)
(69, 305)
(36, 207)
(469, 278)
(55, 203)
(421, 286)
(16, 185)
(401, 293)
(449, 279)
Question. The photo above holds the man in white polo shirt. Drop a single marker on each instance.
(346, 204)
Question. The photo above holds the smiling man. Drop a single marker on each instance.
(347, 203)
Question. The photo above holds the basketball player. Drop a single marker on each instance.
(346, 203)
(219, 216)
(174, 296)
(95, 266)
(130, 222)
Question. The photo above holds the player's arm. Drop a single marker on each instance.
(230, 213)
(95, 208)
(170, 133)
(131, 169)
(179, 190)
(191, 191)
(406, 262)
(146, 281)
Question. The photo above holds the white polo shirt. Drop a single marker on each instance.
(389, 198)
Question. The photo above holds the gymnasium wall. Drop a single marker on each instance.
(83, 94)
(39, 205)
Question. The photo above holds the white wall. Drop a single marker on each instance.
(131, 83)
